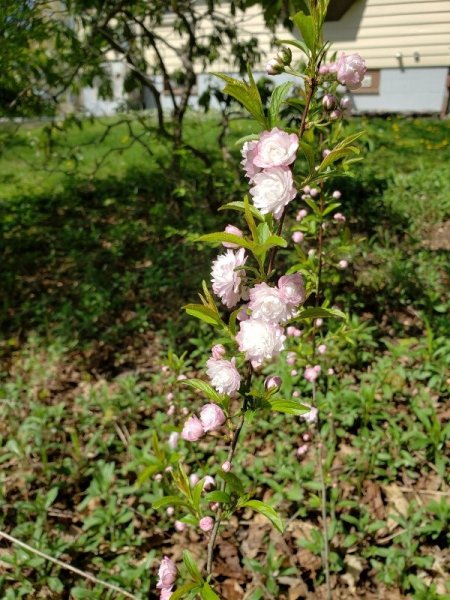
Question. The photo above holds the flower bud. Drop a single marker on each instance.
(322, 349)
(301, 450)
(342, 264)
(335, 114)
(193, 430)
(208, 483)
(167, 573)
(173, 439)
(336, 194)
(291, 358)
(181, 377)
(298, 237)
(170, 511)
(326, 152)
(301, 214)
(158, 477)
(296, 394)
(180, 526)
(171, 410)
(214, 506)
(339, 218)
(226, 466)
(193, 479)
(345, 102)
(235, 231)
(274, 67)
(212, 417)
(272, 382)
(284, 55)
(206, 524)
(218, 351)
(323, 70)
(318, 322)
(329, 102)
(330, 371)
(169, 397)
(314, 192)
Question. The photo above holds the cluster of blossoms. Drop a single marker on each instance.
(349, 70)
(167, 575)
(211, 418)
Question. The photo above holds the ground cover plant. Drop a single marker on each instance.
(85, 430)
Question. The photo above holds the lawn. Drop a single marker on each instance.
(97, 260)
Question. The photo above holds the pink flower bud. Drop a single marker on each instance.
(314, 192)
(345, 102)
(310, 374)
(294, 372)
(235, 231)
(180, 526)
(170, 511)
(336, 194)
(243, 313)
(339, 217)
(166, 593)
(169, 397)
(212, 417)
(335, 114)
(342, 264)
(291, 358)
(208, 483)
(296, 394)
(158, 477)
(168, 469)
(322, 349)
(214, 506)
(274, 67)
(171, 410)
(306, 437)
(193, 430)
(329, 101)
(301, 214)
(330, 371)
(185, 410)
(218, 351)
(226, 466)
(318, 322)
(193, 479)
(272, 382)
(173, 439)
(167, 573)
(326, 152)
(298, 237)
(206, 524)
(311, 416)
(181, 377)
(323, 70)
(165, 369)
(306, 189)
(317, 368)
(290, 331)
(311, 252)
(301, 450)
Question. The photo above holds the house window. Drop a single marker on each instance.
(370, 84)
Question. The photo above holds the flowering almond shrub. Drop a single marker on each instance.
(255, 301)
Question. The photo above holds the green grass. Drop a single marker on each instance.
(95, 267)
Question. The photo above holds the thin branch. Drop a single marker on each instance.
(67, 566)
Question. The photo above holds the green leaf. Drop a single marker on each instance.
(233, 481)
(267, 511)
(240, 207)
(146, 473)
(191, 566)
(330, 208)
(273, 240)
(296, 43)
(305, 24)
(250, 218)
(288, 407)
(204, 313)
(168, 501)
(276, 100)
(246, 94)
(204, 387)
(180, 593)
(318, 312)
(223, 236)
(247, 138)
(218, 496)
(308, 151)
(207, 593)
